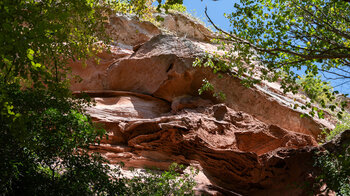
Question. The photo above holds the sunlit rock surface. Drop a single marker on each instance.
(146, 93)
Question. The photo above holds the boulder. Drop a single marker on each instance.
(128, 31)
(182, 25)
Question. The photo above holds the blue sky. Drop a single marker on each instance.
(216, 10)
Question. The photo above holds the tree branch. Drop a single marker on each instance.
(274, 51)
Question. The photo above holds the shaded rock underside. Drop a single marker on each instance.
(146, 94)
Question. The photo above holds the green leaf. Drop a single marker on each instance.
(30, 54)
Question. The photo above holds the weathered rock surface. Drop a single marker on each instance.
(253, 143)
(181, 25)
(114, 104)
(92, 75)
(235, 150)
(162, 67)
(128, 31)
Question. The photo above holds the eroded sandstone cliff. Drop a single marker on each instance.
(146, 93)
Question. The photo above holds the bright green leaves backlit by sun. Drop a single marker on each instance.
(275, 40)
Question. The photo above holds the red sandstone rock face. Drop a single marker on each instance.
(147, 99)
(92, 75)
(111, 105)
(162, 67)
(236, 151)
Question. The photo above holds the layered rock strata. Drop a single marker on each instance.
(146, 93)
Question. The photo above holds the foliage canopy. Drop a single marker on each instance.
(44, 131)
(335, 169)
(279, 39)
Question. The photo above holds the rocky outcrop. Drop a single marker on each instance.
(235, 150)
(162, 67)
(266, 105)
(180, 25)
(128, 31)
(146, 93)
(90, 75)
